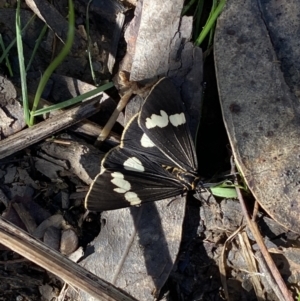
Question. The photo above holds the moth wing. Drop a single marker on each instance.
(162, 119)
(135, 139)
(129, 179)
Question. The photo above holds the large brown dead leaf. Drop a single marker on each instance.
(257, 63)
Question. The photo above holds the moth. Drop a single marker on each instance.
(155, 160)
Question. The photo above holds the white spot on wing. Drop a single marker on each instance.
(120, 190)
(118, 180)
(161, 120)
(146, 141)
(177, 119)
(123, 187)
(134, 164)
(132, 198)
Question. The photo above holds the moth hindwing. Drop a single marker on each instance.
(155, 160)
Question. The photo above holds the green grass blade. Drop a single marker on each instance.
(21, 64)
(36, 46)
(5, 53)
(7, 63)
(74, 100)
(197, 17)
(64, 52)
(210, 22)
(211, 31)
(187, 7)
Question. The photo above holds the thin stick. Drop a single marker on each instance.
(268, 275)
(260, 242)
(85, 126)
(110, 123)
(222, 262)
(48, 127)
(26, 245)
(130, 88)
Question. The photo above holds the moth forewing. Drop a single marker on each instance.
(162, 119)
(135, 139)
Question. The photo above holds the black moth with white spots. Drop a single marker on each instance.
(155, 160)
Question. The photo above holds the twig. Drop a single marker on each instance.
(26, 245)
(260, 242)
(222, 262)
(48, 127)
(269, 277)
(255, 210)
(110, 123)
(85, 126)
(252, 265)
(129, 89)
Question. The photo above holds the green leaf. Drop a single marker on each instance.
(223, 192)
